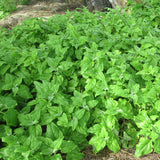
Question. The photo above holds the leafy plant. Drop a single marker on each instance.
(8, 5)
(80, 79)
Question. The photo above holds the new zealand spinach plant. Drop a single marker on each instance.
(80, 79)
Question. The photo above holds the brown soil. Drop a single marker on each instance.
(44, 9)
(49, 9)
(123, 154)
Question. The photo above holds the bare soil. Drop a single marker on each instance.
(123, 154)
(49, 9)
(44, 9)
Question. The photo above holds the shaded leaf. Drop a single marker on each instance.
(11, 117)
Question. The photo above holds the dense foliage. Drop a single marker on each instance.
(81, 79)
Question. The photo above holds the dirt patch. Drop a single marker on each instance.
(123, 154)
(39, 9)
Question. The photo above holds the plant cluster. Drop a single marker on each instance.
(81, 79)
(7, 6)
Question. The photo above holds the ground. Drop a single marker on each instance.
(121, 155)
(39, 9)
(49, 9)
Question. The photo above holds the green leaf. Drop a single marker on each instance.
(7, 102)
(2, 133)
(111, 106)
(46, 118)
(130, 137)
(63, 120)
(50, 147)
(35, 130)
(56, 157)
(29, 119)
(53, 62)
(24, 92)
(101, 137)
(24, 150)
(92, 103)
(143, 147)
(98, 143)
(119, 91)
(110, 121)
(36, 156)
(142, 120)
(125, 109)
(156, 145)
(79, 139)
(101, 77)
(65, 65)
(100, 89)
(68, 146)
(104, 133)
(10, 140)
(157, 105)
(9, 79)
(133, 86)
(90, 84)
(74, 123)
(113, 143)
(79, 113)
(53, 131)
(147, 45)
(75, 155)
(11, 117)
(4, 69)
(46, 150)
(82, 123)
(61, 100)
(137, 65)
(19, 131)
(47, 146)
(57, 144)
(86, 64)
(17, 81)
(126, 139)
(46, 90)
(5, 131)
(95, 129)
